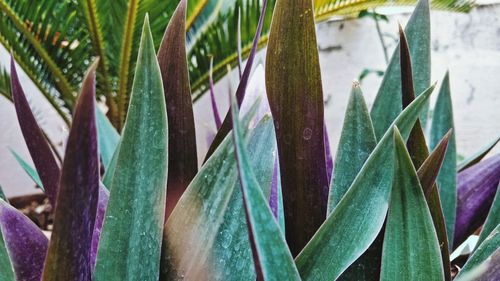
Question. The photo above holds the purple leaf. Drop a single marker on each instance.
(26, 243)
(183, 160)
(69, 254)
(240, 92)
(37, 144)
(476, 187)
(215, 110)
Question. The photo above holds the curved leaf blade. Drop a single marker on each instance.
(210, 240)
(339, 241)
(295, 97)
(411, 249)
(272, 258)
(131, 236)
(39, 149)
(357, 141)
(30, 171)
(69, 253)
(6, 269)
(477, 156)
(477, 186)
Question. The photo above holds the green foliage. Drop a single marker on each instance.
(233, 221)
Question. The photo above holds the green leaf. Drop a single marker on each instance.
(339, 241)
(442, 122)
(32, 173)
(477, 156)
(2, 195)
(411, 249)
(388, 102)
(207, 228)
(108, 137)
(6, 269)
(272, 258)
(492, 220)
(357, 141)
(295, 97)
(183, 160)
(129, 248)
(482, 253)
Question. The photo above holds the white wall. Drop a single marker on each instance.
(466, 44)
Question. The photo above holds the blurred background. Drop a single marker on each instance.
(466, 44)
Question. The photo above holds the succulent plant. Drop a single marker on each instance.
(267, 203)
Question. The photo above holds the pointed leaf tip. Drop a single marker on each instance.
(38, 147)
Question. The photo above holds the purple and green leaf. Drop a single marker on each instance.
(388, 102)
(269, 248)
(172, 58)
(295, 97)
(411, 248)
(6, 269)
(477, 186)
(339, 241)
(207, 228)
(38, 147)
(69, 253)
(130, 242)
(25, 242)
(242, 86)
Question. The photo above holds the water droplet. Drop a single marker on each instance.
(307, 134)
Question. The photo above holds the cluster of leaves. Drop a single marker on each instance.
(55, 41)
(268, 202)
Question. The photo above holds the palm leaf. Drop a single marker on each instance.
(218, 39)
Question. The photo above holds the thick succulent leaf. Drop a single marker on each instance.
(428, 165)
(492, 220)
(442, 122)
(39, 149)
(110, 169)
(242, 86)
(477, 156)
(272, 258)
(108, 137)
(210, 241)
(6, 269)
(357, 141)
(25, 243)
(131, 236)
(483, 252)
(30, 171)
(339, 241)
(296, 100)
(69, 253)
(102, 205)
(183, 160)
(477, 186)
(488, 270)
(411, 249)
(388, 102)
